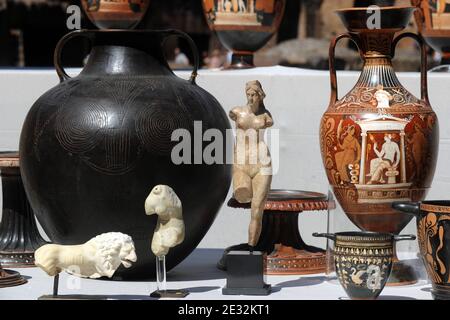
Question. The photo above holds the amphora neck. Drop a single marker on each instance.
(375, 43)
(126, 53)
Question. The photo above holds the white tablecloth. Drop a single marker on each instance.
(200, 277)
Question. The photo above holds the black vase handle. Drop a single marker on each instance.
(90, 33)
(332, 64)
(412, 208)
(59, 48)
(330, 236)
(181, 34)
(424, 61)
(404, 237)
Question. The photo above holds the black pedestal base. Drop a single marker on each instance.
(440, 292)
(245, 274)
(222, 264)
(264, 291)
(438, 296)
(169, 294)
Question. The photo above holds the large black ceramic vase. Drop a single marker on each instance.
(94, 146)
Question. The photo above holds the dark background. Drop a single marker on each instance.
(42, 25)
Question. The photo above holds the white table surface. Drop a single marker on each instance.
(199, 275)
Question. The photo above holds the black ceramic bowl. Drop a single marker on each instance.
(395, 18)
(363, 261)
(244, 27)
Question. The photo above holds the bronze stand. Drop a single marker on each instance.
(10, 278)
(19, 236)
(280, 238)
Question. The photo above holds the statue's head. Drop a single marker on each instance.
(255, 93)
(163, 201)
(113, 249)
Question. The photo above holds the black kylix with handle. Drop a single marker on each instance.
(363, 261)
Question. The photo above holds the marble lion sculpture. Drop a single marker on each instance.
(169, 231)
(101, 256)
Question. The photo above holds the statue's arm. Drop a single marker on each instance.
(234, 113)
(269, 120)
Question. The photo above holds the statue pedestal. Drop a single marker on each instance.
(280, 238)
(245, 274)
(161, 282)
